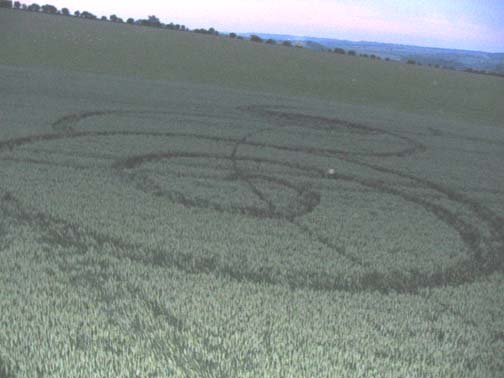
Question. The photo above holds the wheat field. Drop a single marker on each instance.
(155, 222)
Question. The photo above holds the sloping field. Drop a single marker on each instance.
(157, 222)
(99, 47)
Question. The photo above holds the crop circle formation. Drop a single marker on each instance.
(281, 197)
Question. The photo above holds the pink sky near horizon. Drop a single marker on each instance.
(461, 24)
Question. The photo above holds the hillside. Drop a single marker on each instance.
(66, 43)
(450, 58)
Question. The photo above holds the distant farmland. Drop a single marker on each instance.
(67, 43)
(181, 205)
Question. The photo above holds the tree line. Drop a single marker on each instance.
(154, 22)
(151, 21)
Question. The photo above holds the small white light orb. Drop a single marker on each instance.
(330, 171)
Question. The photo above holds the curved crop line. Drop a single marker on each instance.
(495, 223)
(470, 235)
(485, 256)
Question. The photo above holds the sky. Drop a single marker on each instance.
(459, 24)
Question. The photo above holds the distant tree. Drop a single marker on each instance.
(271, 41)
(103, 18)
(151, 21)
(339, 50)
(352, 52)
(183, 28)
(287, 43)
(212, 31)
(77, 13)
(176, 27)
(232, 35)
(436, 65)
(65, 12)
(51, 9)
(155, 21)
(411, 61)
(24, 7)
(240, 37)
(372, 56)
(5, 4)
(364, 55)
(255, 38)
(88, 15)
(114, 18)
(17, 5)
(387, 59)
(130, 21)
(34, 8)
